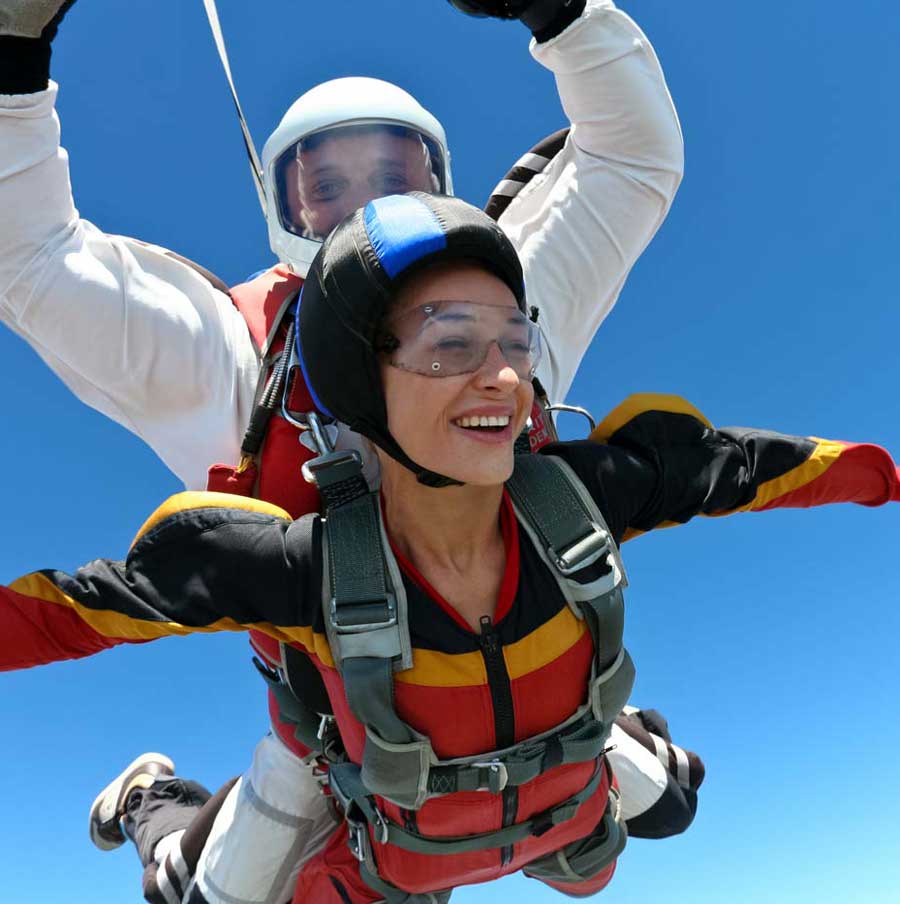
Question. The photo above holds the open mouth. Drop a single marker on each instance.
(489, 424)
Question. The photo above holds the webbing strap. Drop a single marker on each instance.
(212, 14)
(364, 619)
(581, 742)
(555, 510)
(349, 790)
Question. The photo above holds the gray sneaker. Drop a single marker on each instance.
(109, 806)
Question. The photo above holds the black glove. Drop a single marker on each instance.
(545, 18)
(27, 27)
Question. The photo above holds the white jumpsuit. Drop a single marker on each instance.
(179, 370)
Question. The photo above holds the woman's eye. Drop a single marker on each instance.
(457, 345)
(517, 347)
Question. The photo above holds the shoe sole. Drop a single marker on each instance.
(114, 790)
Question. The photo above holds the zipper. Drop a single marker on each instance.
(504, 718)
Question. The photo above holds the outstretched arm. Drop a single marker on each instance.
(134, 333)
(656, 461)
(203, 562)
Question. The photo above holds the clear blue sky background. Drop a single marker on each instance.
(769, 298)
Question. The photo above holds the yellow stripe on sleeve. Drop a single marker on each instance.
(116, 624)
(184, 502)
(826, 453)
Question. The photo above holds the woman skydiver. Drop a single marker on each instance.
(439, 611)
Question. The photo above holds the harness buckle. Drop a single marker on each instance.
(380, 826)
(358, 618)
(498, 774)
(582, 552)
(358, 841)
(331, 467)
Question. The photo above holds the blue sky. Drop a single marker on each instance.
(769, 298)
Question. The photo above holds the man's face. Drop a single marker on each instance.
(346, 170)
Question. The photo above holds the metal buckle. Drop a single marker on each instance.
(380, 826)
(358, 841)
(582, 552)
(498, 775)
(315, 466)
(337, 612)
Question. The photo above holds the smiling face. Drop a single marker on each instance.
(462, 426)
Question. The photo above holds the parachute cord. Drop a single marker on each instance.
(212, 14)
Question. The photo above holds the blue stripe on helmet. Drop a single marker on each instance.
(402, 230)
(312, 389)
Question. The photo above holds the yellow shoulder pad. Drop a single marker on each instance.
(184, 502)
(639, 403)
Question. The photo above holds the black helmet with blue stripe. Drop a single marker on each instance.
(349, 287)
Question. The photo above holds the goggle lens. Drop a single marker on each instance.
(448, 338)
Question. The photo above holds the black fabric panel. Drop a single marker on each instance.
(24, 65)
(554, 18)
(671, 815)
(199, 566)
(25, 62)
(768, 455)
(663, 466)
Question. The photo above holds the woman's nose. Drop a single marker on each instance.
(496, 371)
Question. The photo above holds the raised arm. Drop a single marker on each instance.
(582, 224)
(132, 332)
(203, 562)
(656, 461)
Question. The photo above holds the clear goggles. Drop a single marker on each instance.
(326, 175)
(448, 338)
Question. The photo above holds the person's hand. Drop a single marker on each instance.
(32, 18)
(26, 29)
(545, 18)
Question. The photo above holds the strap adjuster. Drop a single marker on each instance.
(358, 840)
(497, 775)
(582, 552)
(332, 467)
(357, 618)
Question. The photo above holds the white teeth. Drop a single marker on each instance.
(483, 421)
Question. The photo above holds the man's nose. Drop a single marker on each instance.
(355, 197)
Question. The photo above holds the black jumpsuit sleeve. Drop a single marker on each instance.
(204, 562)
(657, 461)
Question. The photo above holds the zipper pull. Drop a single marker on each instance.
(488, 637)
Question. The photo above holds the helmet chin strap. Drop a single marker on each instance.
(212, 14)
(386, 442)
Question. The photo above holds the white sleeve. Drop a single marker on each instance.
(582, 224)
(132, 332)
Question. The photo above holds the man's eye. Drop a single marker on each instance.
(393, 183)
(329, 190)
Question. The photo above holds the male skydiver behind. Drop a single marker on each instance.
(68, 289)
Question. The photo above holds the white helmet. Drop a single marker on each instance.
(342, 108)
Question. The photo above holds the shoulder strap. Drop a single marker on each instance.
(570, 534)
(523, 171)
(263, 301)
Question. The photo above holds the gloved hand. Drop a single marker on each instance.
(545, 18)
(26, 29)
(30, 18)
